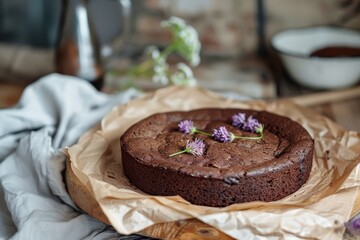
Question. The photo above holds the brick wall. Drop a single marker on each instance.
(229, 27)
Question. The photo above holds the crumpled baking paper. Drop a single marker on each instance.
(318, 209)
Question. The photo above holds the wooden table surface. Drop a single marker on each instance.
(342, 106)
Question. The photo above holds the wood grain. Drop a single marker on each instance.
(10, 94)
(82, 197)
(191, 229)
(314, 99)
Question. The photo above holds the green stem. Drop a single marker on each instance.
(201, 132)
(144, 67)
(177, 153)
(251, 138)
(167, 51)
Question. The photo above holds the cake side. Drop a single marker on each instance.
(227, 173)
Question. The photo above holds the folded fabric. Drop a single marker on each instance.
(51, 114)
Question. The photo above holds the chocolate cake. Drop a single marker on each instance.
(237, 171)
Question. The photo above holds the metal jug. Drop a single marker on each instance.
(78, 51)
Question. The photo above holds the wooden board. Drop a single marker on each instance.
(341, 106)
(191, 229)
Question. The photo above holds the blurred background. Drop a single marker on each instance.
(234, 35)
(227, 28)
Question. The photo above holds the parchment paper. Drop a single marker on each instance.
(317, 210)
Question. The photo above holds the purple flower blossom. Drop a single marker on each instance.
(187, 126)
(353, 225)
(238, 120)
(250, 124)
(356, 224)
(196, 147)
(223, 135)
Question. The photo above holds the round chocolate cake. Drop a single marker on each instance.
(266, 164)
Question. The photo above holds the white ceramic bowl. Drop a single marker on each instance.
(294, 47)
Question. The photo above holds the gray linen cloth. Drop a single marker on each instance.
(51, 114)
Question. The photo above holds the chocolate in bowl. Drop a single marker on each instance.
(336, 51)
(330, 68)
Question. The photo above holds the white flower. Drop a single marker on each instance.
(160, 73)
(184, 76)
(153, 52)
(186, 43)
(173, 21)
(186, 40)
(160, 67)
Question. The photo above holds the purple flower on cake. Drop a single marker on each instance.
(238, 120)
(196, 147)
(187, 127)
(221, 134)
(250, 124)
